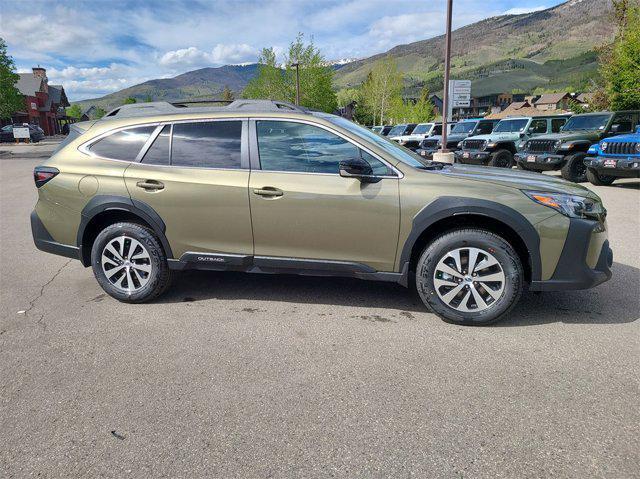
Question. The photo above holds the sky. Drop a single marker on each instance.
(100, 46)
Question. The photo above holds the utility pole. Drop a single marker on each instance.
(297, 65)
(447, 68)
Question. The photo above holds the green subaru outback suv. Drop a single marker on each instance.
(262, 186)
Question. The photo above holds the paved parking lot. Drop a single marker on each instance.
(233, 375)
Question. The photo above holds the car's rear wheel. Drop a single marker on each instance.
(129, 263)
(574, 168)
(469, 277)
(501, 159)
(599, 180)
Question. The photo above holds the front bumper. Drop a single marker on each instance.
(472, 157)
(540, 161)
(584, 240)
(45, 242)
(625, 167)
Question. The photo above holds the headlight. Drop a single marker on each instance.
(569, 205)
(603, 146)
(638, 147)
(557, 144)
(461, 144)
(485, 144)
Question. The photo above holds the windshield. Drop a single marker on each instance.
(511, 126)
(421, 129)
(398, 152)
(397, 130)
(586, 122)
(464, 127)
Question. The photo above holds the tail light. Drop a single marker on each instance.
(43, 174)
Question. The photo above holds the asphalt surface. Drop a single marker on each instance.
(233, 375)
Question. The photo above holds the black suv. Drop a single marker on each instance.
(461, 130)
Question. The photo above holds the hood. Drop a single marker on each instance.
(522, 180)
(592, 135)
(624, 138)
(409, 137)
(496, 137)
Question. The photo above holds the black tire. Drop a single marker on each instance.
(501, 159)
(159, 278)
(502, 251)
(574, 168)
(599, 180)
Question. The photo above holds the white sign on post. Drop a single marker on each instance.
(459, 94)
(21, 132)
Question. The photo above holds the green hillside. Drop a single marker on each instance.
(550, 49)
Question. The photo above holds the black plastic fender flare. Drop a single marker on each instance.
(101, 203)
(449, 206)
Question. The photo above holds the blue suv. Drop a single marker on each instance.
(614, 157)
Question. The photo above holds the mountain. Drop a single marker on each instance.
(550, 49)
(205, 83)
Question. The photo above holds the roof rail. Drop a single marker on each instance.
(166, 108)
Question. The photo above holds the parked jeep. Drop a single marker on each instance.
(617, 157)
(459, 132)
(566, 150)
(499, 147)
(402, 129)
(419, 133)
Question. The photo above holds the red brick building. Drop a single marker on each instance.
(43, 103)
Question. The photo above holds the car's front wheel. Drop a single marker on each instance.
(574, 168)
(469, 277)
(129, 263)
(501, 159)
(597, 179)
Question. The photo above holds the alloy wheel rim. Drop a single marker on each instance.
(469, 279)
(126, 264)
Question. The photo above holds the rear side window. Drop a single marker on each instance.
(484, 128)
(538, 126)
(437, 130)
(557, 124)
(124, 144)
(207, 144)
(159, 153)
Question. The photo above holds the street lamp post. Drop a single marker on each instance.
(447, 68)
(297, 65)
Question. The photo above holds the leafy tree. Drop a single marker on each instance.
(99, 113)
(130, 101)
(414, 112)
(279, 83)
(349, 95)
(382, 90)
(620, 61)
(227, 94)
(74, 111)
(11, 99)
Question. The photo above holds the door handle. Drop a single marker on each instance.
(269, 191)
(150, 185)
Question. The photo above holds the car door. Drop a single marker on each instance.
(302, 209)
(195, 175)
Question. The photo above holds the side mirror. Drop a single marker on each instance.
(357, 168)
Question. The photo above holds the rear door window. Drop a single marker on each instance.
(538, 126)
(159, 152)
(207, 144)
(124, 144)
(484, 128)
(557, 124)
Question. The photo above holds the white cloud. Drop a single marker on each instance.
(221, 54)
(521, 10)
